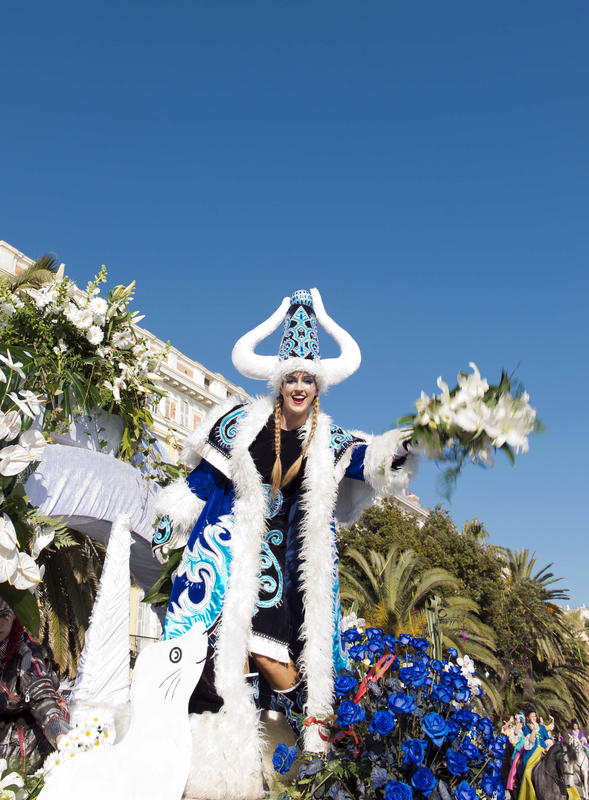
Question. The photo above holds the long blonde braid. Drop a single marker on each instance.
(278, 482)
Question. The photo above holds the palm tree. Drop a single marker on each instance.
(43, 270)
(66, 596)
(392, 594)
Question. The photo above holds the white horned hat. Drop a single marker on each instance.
(299, 348)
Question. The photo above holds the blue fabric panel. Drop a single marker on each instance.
(356, 466)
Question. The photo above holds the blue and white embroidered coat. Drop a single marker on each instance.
(221, 512)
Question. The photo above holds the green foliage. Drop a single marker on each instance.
(500, 608)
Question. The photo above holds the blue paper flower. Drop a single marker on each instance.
(466, 719)
(424, 781)
(283, 758)
(405, 639)
(464, 791)
(344, 684)
(401, 703)
(456, 762)
(414, 750)
(463, 695)
(373, 633)
(348, 713)
(396, 790)
(382, 722)
(420, 644)
(435, 727)
(352, 635)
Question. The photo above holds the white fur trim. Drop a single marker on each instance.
(289, 365)
(226, 760)
(319, 491)
(182, 507)
(196, 445)
(380, 453)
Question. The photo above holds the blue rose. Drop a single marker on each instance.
(494, 768)
(442, 693)
(406, 675)
(344, 684)
(390, 644)
(452, 652)
(462, 695)
(435, 727)
(352, 635)
(436, 665)
(485, 726)
(375, 647)
(414, 750)
(348, 713)
(469, 750)
(464, 791)
(283, 758)
(499, 790)
(424, 781)
(497, 749)
(420, 643)
(501, 738)
(456, 762)
(382, 722)
(405, 639)
(414, 675)
(428, 681)
(466, 719)
(310, 769)
(488, 784)
(396, 790)
(401, 703)
(373, 633)
(357, 652)
(453, 729)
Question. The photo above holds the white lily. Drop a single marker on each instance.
(8, 540)
(43, 538)
(27, 573)
(31, 399)
(16, 457)
(14, 365)
(22, 404)
(473, 385)
(10, 424)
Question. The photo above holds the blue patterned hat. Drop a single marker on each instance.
(299, 348)
(299, 336)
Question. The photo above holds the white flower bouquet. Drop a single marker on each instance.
(471, 421)
(85, 351)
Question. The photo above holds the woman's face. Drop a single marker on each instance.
(6, 620)
(298, 391)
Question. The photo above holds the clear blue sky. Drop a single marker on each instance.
(424, 163)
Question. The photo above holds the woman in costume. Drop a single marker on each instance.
(257, 517)
(536, 741)
(33, 716)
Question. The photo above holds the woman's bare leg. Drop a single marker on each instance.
(280, 676)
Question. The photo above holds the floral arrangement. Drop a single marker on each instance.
(12, 784)
(404, 728)
(24, 532)
(471, 420)
(87, 734)
(86, 353)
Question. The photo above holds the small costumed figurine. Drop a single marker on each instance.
(259, 567)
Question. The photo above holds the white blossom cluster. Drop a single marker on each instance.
(87, 734)
(506, 420)
(468, 669)
(105, 324)
(18, 568)
(11, 779)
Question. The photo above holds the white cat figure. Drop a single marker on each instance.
(153, 760)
